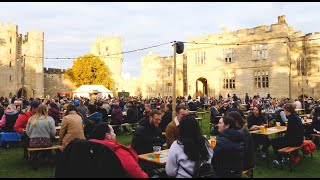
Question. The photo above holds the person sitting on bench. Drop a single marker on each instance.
(294, 135)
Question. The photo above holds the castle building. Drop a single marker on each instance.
(21, 62)
(273, 59)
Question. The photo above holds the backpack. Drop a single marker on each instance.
(202, 169)
(277, 117)
(11, 119)
(308, 147)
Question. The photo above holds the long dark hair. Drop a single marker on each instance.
(191, 138)
(316, 114)
(240, 122)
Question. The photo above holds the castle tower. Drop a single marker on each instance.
(109, 49)
(34, 52)
(15, 49)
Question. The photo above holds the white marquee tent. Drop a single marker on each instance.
(87, 90)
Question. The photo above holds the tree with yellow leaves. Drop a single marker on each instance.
(90, 70)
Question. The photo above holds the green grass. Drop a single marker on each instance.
(13, 165)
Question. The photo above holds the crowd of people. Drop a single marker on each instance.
(99, 120)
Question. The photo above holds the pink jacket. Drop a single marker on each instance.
(3, 119)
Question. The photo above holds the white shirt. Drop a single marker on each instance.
(298, 105)
(176, 121)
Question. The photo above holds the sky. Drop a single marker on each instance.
(70, 28)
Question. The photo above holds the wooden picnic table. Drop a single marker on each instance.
(270, 131)
(149, 157)
(192, 112)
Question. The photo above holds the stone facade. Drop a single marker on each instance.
(55, 81)
(16, 52)
(157, 75)
(109, 49)
(271, 59)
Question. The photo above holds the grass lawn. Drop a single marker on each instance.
(13, 165)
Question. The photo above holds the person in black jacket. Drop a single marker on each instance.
(223, 109)
(192, 106)
(132, 113)
(249, 150)
(166, 118)
(229, 151)
(235, 107)
(85, 159)
(255, 120)
(148, 135)
(294, 135)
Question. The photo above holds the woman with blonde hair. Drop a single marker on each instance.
(41, 128)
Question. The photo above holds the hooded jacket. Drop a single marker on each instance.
(228, 154)
(128, 157)
(22, 122)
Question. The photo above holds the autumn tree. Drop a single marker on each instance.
(89, 70)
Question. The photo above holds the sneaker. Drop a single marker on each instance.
(263, 154)
(276, 162)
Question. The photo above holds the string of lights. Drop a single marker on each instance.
(109, 55)
(193, 42)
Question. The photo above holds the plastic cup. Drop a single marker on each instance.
(156, 151)
(286, 124)
(213, 141)
(278, 125)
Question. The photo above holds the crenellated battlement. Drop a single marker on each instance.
(9, 26)
(53, 70)
(35, 34)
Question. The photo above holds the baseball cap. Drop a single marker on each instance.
(34, 104)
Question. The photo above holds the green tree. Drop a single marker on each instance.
(88, 70)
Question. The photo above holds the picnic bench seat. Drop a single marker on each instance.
(34, 154)
(199, 120)
(289, 150)
(248, 172)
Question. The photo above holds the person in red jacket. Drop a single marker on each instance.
(23, 118)
(104, 134)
